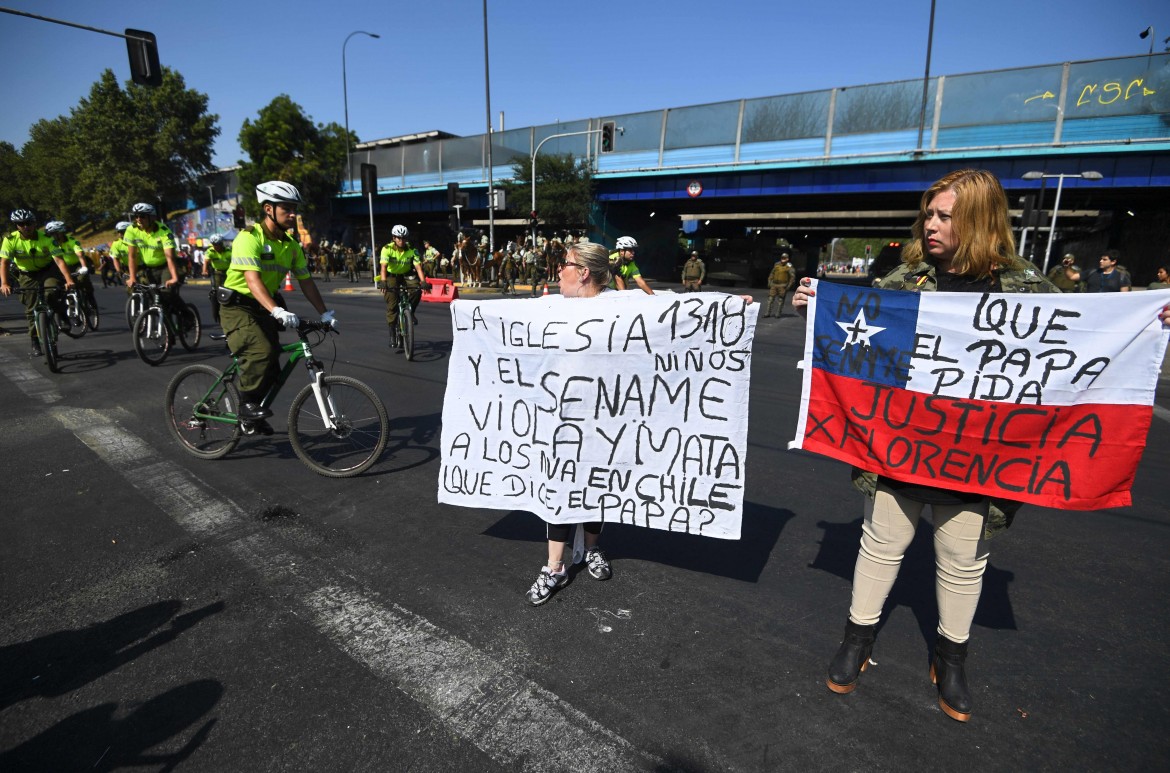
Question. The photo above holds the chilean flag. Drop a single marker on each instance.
(1040, 398)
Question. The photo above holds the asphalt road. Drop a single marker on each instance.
(161, 612)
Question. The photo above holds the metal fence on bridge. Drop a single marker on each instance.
(1111, 104)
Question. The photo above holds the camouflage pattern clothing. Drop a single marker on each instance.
(1020, 277)
(780, 282)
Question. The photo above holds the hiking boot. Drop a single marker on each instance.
(547, 583)
(598, 566)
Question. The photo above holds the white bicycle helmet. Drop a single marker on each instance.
(399, 230)
(22, 216)
(627, 243)
(277, 192)
(54, 227)
(215, 240)
(122, 225)
(142, 208)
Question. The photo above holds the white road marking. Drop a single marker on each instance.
(512, 719)
(19, 371)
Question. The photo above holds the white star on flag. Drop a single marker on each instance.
(858, 331)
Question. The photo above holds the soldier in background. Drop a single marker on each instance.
(1067, 276)
(693, 273)
(780, 283)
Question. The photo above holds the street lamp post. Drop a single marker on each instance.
(345, 96)
(214, 218)
(533, 169)
(1090, 175)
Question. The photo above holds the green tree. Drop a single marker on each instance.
(50, 171)
(284, 144)
(12, 185)
(140, 144)
(564, 190)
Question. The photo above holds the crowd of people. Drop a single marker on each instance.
(962, 243)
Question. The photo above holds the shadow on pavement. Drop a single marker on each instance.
(914, 587)
(742, 559)
(60, 662)
(94, 740)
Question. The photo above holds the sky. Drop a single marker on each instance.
(550, 60)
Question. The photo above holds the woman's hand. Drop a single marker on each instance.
(747, 299)
(800, 298)
(1165, 315)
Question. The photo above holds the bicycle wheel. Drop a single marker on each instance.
(200, 412)
(93, 315)
(189, 325)
(133, 309)
(47, 336)
(406, 329)
(152, 340)
(73, 323)
(362, 427)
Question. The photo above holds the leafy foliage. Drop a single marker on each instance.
(284, 144)
(117, 146)
(12, 185)
(564, 190)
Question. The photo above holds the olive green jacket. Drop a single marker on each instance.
(1020, 277)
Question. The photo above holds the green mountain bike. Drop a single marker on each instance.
(337, 425)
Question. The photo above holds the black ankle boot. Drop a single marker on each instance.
(852, 657)
(948, 671)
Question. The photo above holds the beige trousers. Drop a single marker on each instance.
(960, 555)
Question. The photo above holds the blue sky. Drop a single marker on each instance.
(550, 60)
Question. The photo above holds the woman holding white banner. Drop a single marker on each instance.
(585, 273)
(962, 242)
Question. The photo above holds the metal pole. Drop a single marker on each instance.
(487, 88)
(1055, 212)
(345, 97)
(539, 145)
(214, 219)
(926, 78)
(373, 250)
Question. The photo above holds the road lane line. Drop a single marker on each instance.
(510, 718)
(21, 373)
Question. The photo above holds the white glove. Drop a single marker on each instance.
(327, 319)
(286, 318)
(82, 271)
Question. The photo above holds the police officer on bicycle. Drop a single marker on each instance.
(250, 314)
(215, 265)
(39, 261)
(397, 259)
(151, 251)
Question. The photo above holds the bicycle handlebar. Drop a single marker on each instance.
(308, 326)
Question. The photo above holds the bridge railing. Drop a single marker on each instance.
(1123, 103)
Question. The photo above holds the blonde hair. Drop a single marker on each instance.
(979, 219)
(594, 257)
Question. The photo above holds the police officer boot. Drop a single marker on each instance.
(852, 657)
(36, 348)
(948, 671)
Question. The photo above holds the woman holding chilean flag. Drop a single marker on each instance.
(962, 243)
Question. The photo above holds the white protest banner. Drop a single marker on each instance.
(623, 408)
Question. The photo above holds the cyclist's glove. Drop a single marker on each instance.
(82, 271)
(286, 317)
(327, 319)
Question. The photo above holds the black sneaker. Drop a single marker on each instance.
(547, 583)
(598, 566)
(217, 336)
(253, 412)
(36, 350)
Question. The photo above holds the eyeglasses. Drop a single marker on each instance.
(574, 265)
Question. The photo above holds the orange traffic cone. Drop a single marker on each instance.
(288, 282)
(545, 289)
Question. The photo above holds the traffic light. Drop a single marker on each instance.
(452, 195)
(369, 179)
(238, 218)
(533, 217)
(607, 132)
(143, 51)
(453, 222)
